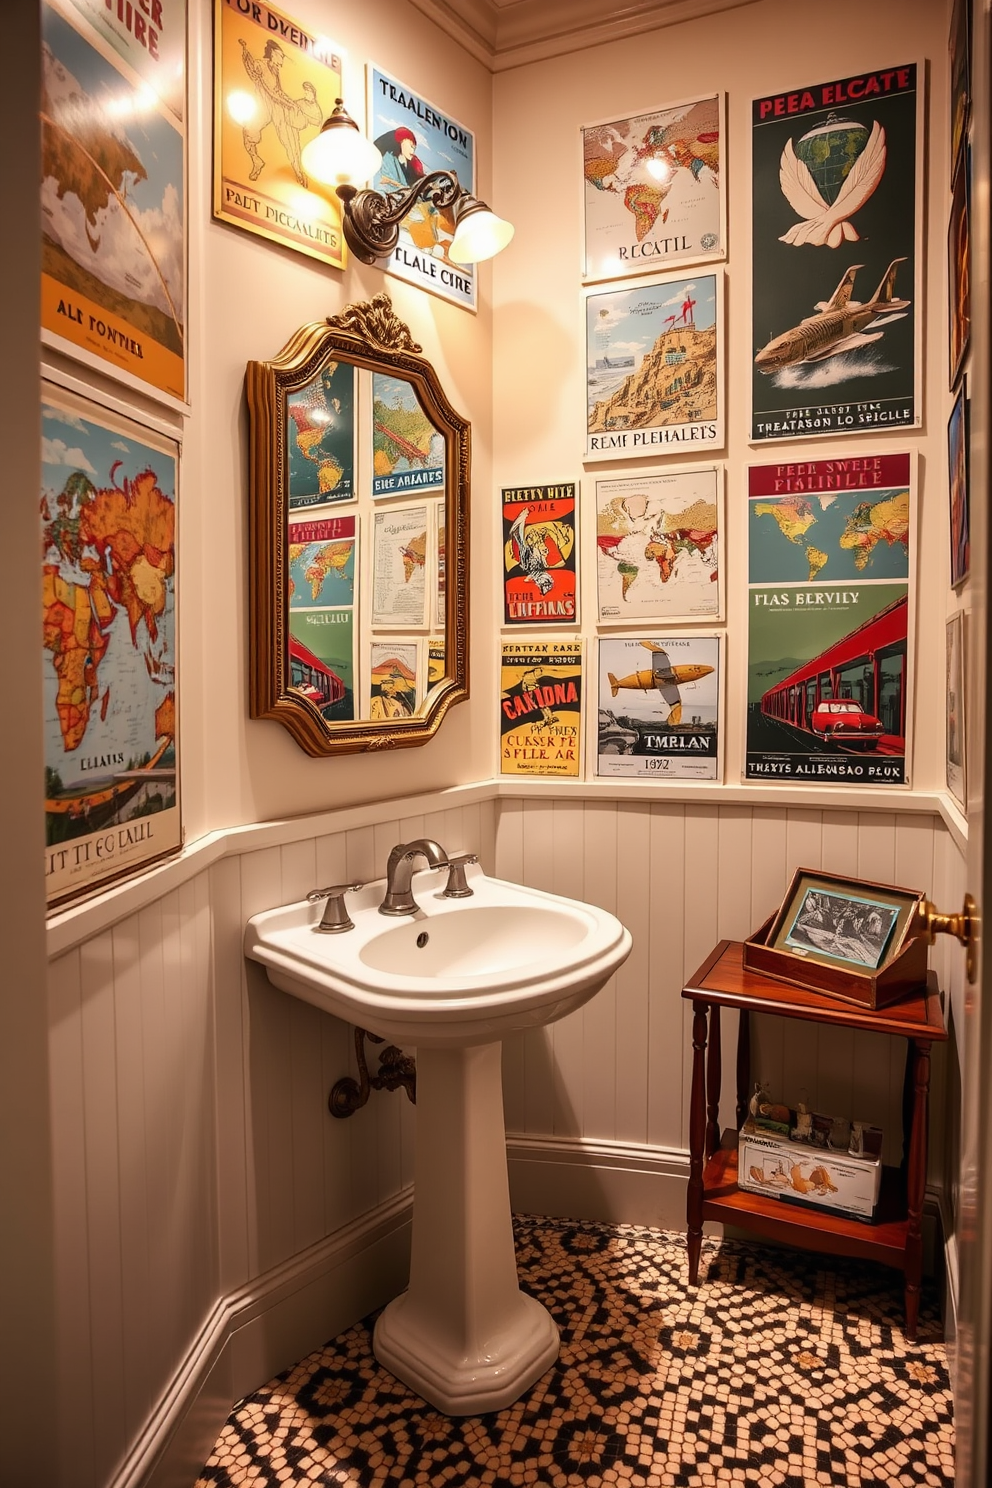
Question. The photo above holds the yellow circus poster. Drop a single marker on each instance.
(274, 85)
(541, 708)
(108, 539)
(113, 283)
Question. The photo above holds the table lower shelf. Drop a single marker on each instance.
(882, 1240)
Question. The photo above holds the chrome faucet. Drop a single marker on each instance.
(398, 899)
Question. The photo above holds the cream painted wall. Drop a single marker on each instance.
(539, 351)
(247, 297)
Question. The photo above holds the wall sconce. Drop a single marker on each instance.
(340, 156)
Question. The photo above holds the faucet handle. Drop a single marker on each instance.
(335, 917)
(456, 887)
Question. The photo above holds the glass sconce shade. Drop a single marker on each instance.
(340, 155)
(479, 233)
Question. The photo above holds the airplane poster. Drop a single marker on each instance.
(830, 620)
(659, 707)
(837, 286)
(539, 555)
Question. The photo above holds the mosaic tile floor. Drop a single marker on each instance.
(782, 1369)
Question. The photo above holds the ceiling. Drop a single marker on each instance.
(511, 33)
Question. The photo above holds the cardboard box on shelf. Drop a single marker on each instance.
(807, 1173)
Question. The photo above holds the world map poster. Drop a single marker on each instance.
(653, 189)
(113, 282)
(830, 622)
(658, 541)
(108, 533)
(836, 229)
(408, 452)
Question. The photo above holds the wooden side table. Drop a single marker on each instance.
(894, 1237)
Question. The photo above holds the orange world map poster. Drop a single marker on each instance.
(108, 527)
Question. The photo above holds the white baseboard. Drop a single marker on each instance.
(617, 1182)
(262, 1328)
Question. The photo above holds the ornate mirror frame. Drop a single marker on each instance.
(367, 335)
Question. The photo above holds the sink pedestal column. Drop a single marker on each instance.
(464, 1335)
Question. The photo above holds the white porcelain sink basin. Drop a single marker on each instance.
(453, 979)
(459, 972)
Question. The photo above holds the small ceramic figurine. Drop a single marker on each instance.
(840, 1134)
(803, 1129)
(857, 1147)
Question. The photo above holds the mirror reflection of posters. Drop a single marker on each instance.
(541, 708)
(322, 661)
(394, 680)
(321, 442)
(829, 665)
(836, 277)
(108, 529)
(322, 562)
(407, 450)
(274, 85)
(539, 555)
(958, 478)
(659, 707)
(653, 188)
(441, 598)
(658, 546)
(959, 269)
(435, 660)
(399, 568)
(151, 38)
(956, 712)
(113, 282)
(415, 139)
(844, 927)
(654, 358)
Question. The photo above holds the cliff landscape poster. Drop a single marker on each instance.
(654, 368)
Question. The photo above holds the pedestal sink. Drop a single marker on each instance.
(453, 980)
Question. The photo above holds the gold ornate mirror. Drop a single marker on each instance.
(359, 536)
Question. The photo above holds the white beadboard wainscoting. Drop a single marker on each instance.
(214, 1223)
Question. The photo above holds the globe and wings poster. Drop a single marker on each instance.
(108, 534)
(837, 206)
(830, 620)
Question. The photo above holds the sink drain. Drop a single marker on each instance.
(422, 939)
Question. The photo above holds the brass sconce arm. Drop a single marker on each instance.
(371, 219)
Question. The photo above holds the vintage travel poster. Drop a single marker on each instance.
(274, 85)
(541, 708)
(959, 270)
(539, 554)
(658, 546)
(151, 37)
(323, 562)
(958, 487)
(830, 627)
(320, 438)
(659, 707)
(113, 217)
(653, 190)
(408, 452)
(322, 660)
(394, 680)
(417, 138)
(956, 721)
(108, 539)
(654, 357)
(435, 660)
(441, 597)
(837, 210)
(399, 568)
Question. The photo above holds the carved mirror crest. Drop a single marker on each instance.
(359, 536)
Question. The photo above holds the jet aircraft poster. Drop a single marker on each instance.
(541, 708)
(654, 368)
(416, 137)
(539, 555)
(837, 208)
(830, 633)
(659, 707)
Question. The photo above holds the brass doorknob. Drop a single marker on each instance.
(964, 926)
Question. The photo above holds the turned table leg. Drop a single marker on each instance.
(697, 1139)
(916, 1177)
(743, 1066)
(714, 1080)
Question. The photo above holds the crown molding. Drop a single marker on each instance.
(510, 33)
